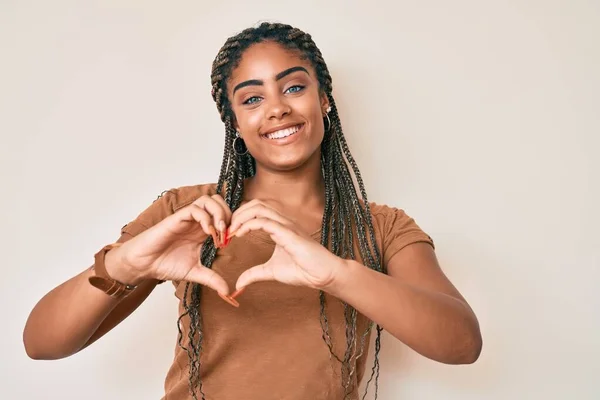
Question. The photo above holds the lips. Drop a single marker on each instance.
(282, 132)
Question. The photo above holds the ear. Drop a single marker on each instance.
(234, 123)
(324, 102)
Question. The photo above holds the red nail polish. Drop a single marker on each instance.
(226, 238)
(238, 292)
(229, 300)
(230, 235)
(215, 237)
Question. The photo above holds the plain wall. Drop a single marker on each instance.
(480, 119)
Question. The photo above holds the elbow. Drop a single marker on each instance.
(473, 352)
(36, 351)
(462, 347)
(31, 350)
(476, 342)
(470, 350)
(467, 354)
(32, 354)
(471, 343)
(478, 347)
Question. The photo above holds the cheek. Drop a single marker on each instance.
(249, 121)
(316, 115)
(310, 108)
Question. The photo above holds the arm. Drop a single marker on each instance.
(165, 247)
(416, 303)
(75, 314)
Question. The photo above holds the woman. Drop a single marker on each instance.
(299, 267)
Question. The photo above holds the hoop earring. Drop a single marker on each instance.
(328, 123)
(239, 146)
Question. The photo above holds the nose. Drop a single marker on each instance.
(278, 108)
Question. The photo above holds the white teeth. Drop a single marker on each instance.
(283, 133)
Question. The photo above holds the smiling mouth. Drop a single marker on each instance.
(283, 133)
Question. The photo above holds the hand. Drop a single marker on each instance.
(170, 250)
(297, 260)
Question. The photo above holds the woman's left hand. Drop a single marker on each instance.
(297, 260)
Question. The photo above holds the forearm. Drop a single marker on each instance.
(434, 324)
(64, 319)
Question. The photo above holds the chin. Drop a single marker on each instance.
(286, 165)
(289, 162)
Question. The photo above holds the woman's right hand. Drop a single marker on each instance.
(170, 250)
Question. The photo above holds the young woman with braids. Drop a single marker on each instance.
(319, 266)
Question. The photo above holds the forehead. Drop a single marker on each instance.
(265, 60)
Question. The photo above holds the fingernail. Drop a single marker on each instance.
(225, 237)
(222, 237)
(238, 292)
(219, 242)
(228, 236)
(231, 234)
(229, 299)
(214, 236)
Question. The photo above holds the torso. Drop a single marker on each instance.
(272, 346)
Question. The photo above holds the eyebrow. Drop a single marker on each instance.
(258, 82)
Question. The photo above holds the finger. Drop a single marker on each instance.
(209, 278)
(258, 273)
(214, 208)
(281, 234)
(230, 299)
(201, 216)
(251, 203)
(218, 214)
(223, 223)
(225, 206)
(258, 210)
(237, 292)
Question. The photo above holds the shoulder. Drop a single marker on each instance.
(167, 203)
(395, 229)
(383, 215)
(180, 197)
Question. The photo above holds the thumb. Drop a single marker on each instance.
(207, 277)
(258, 273)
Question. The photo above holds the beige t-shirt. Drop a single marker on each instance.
(271, 347)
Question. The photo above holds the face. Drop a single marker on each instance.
(278, 106)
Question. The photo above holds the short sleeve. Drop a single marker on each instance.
(161, 208)
(167, 203)
(397, 231)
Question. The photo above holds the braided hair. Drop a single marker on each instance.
(346, 217)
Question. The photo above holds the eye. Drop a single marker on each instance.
(252, 100)
(295, 89)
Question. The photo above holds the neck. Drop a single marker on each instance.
(301, 187)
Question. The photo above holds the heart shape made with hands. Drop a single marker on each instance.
(296, 260)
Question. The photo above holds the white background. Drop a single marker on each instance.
(480, 119)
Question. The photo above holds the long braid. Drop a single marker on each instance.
(344, 210)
